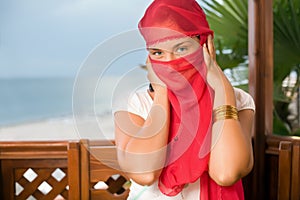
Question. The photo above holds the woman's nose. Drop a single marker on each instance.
(169, 56)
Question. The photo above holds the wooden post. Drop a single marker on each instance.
(74, 170)
(261, 83)
(85, 169)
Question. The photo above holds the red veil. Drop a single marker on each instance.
(190, 97)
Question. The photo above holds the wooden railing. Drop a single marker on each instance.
(282, 170)
(101, 177)
(61, 170)
(35, 170)
(89, 170)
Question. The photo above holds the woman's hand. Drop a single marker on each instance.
(215, 75)
(153, 78)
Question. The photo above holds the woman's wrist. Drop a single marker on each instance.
(224, 95)
(159, 89)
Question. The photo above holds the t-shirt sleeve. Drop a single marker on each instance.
(139, 103)
(243, 100)
(135, 105)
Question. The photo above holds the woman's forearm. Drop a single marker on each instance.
(144, 153)
(231, 154)
(153, 135)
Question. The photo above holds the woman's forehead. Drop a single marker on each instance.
(173, 43)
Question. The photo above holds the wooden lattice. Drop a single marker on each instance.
(115, 184)
(28, 171)
(36, 170)
(100, 174)
(42, 183)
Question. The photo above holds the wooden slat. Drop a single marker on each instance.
(33, 150)
(271, 177)
(105, 195)
(295, 187)
(19, 173)
(284, 170)
(60, 187)
(106, 155)
(100, 143)
(7, 179)
(84, 169)
(37, 194)
(74, 170)
(272, 145)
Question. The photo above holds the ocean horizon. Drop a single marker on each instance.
(26, 100)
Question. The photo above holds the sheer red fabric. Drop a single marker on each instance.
(182, 16)
(190, 97)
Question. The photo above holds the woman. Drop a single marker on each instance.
(189, 135)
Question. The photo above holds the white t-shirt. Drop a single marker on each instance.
(140, 104)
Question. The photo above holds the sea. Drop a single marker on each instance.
(26, 100)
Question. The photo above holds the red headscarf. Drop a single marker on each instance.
(190, 97)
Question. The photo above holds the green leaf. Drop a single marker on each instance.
(279, 126)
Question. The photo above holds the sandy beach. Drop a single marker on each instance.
(67, 128)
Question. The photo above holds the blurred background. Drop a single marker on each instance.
(43, 45)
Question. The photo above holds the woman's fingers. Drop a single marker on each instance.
(152, 77)
(214, 78)
(209, 51)
(207, 57)
(211, 47)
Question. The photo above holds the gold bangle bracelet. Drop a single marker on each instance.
(225, 112)
(225, 107)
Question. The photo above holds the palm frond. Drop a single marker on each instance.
(229, 20)
(286, 37)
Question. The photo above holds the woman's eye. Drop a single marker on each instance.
(156, 53)
(181, 50)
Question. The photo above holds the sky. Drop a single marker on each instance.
(52, 38)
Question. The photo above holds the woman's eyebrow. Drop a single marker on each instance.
(152, 49)
(181, 43)
(174, 47)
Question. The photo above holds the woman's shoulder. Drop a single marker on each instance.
(243, 100)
